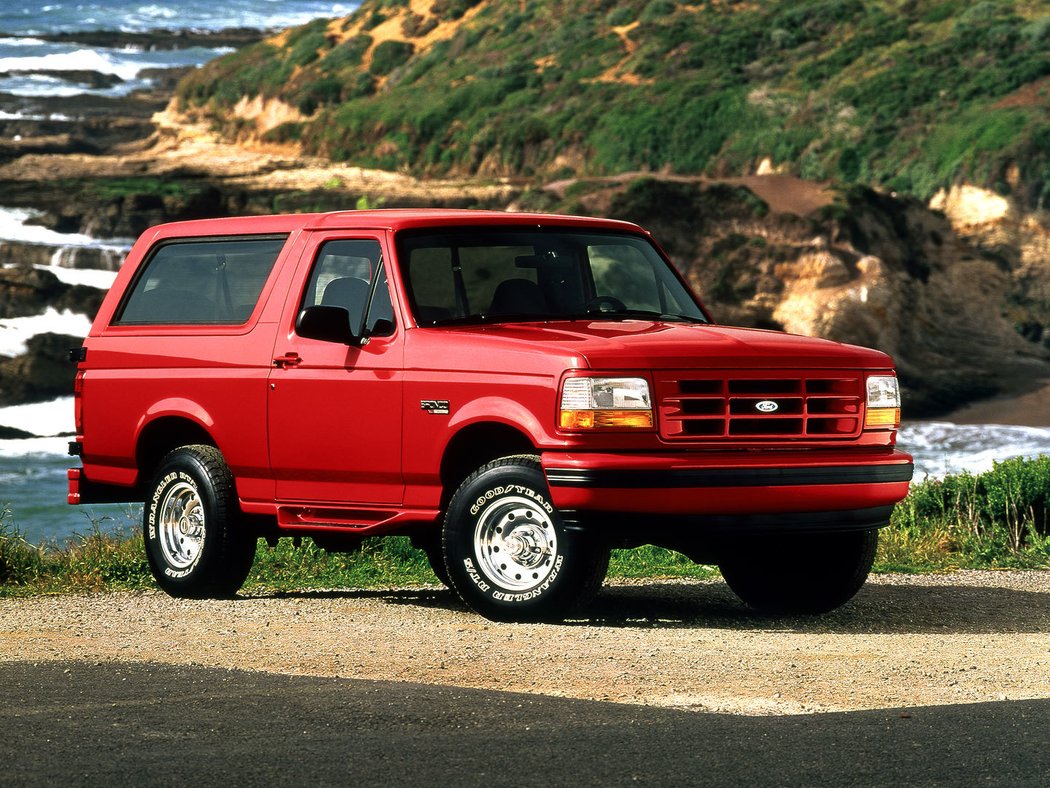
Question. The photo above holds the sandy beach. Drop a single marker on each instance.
(1028, 409)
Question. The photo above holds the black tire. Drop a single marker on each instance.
(801, 573)
(436, 559)
(509, 555)
(195, 543)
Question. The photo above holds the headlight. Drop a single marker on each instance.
(605, 403)
(884, 403)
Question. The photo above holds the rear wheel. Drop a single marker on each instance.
(508, 552)
(802, 573)
(195, 543)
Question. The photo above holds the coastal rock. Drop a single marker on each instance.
(95, 80)
(10, 433)
(14, 254)
(27, 291)
(160, 39)
(43, 372)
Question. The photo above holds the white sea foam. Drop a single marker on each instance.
(89, 277)
(34, 447)
(157, 12)
(42, 419)
(21, 63)
(21, 42)
(16, 331)
(102, 61)
(54, 116)
(941, 448)
(13, 227)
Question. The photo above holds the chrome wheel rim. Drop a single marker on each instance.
(181, 527)
(515, 543)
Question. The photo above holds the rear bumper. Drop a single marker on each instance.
(84, 490)
(739, 483)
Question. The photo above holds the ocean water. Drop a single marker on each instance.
(27, 19)
(21, 50)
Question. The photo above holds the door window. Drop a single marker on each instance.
(351, 274)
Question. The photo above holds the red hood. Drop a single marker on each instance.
(640, 344)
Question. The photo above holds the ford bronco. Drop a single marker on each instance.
(518, 393)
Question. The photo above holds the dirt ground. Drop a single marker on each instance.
(903, 642)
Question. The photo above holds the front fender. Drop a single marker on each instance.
(500, 410)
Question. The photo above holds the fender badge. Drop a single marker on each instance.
(766, 406)
(438, 407)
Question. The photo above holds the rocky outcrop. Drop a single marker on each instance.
(42, 373)
(26, 291)
(13, 253)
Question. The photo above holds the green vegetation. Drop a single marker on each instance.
(966, 521)
(992, 520)
(907, 96)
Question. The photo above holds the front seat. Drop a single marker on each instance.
(518, 297)
(350, 293)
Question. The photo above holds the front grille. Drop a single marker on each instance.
(723, 405)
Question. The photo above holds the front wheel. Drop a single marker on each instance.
(195, 543)
(802, 573)
(509, 555)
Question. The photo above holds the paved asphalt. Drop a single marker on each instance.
(108, 724)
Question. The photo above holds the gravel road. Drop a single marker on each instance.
(905, 641)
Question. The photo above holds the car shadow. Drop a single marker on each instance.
(879, 608)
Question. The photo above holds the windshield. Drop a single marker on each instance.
(470, 275)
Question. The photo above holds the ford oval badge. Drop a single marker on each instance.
(766, 406)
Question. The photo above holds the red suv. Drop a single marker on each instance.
(519, 393)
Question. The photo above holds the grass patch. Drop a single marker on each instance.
(994, 520)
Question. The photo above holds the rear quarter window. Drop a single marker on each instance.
(201, 281)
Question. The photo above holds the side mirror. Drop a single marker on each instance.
(326, 323)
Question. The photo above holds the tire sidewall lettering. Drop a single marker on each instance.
(493, 493)
(475, 575)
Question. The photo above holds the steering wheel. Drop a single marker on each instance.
(605, 304)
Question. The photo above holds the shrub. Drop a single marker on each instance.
(348, 54)
(621, 15)
(389, 55)
(657, 11)
(997, 518)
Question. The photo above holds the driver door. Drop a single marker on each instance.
(334, 409)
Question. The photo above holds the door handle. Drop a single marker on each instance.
(287, 360)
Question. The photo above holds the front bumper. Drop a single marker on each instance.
(728, 483)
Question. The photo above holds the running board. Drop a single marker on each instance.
(362, 522)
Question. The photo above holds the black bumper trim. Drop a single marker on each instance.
(730, 477)
(669, 530)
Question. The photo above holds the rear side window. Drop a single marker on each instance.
(210, 281)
